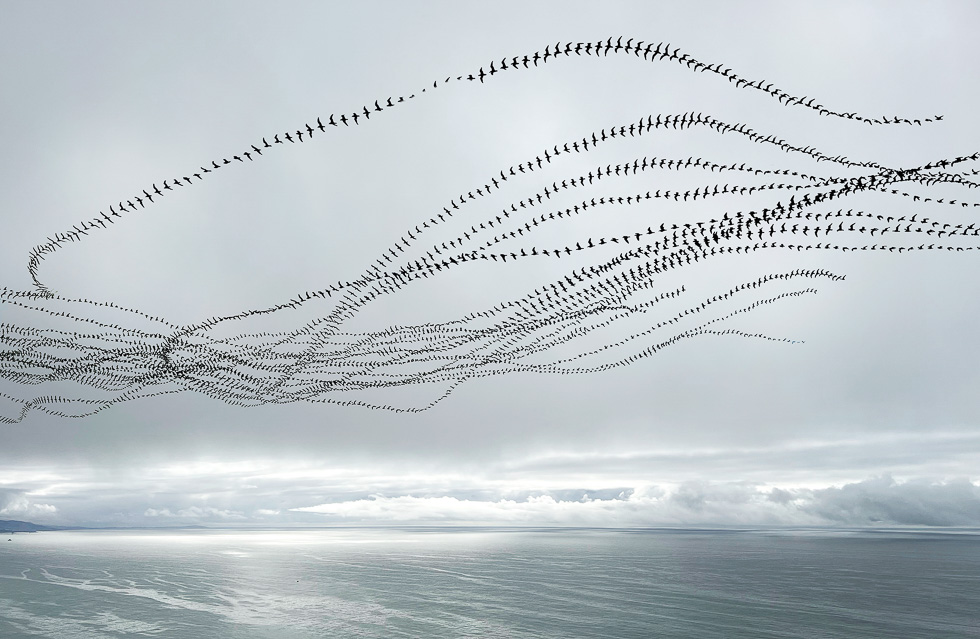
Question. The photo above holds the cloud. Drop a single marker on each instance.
(689, 503)
(16, 504)
(596, 489)
(884, 500)
(876, 501)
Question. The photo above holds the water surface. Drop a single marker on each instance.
(483, 582)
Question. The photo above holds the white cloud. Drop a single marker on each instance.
(878, 501)
(17, 504)
(593, 490)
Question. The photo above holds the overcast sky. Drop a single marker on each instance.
(869, 418)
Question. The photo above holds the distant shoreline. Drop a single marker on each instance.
(10, 527)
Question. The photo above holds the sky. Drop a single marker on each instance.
(863, 411)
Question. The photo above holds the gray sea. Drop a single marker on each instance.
(489, 582)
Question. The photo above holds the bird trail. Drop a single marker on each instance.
(610, 309)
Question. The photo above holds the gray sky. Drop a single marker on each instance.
(872, 418)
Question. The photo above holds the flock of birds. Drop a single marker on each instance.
(593, 318)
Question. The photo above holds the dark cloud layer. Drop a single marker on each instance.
(884, 501)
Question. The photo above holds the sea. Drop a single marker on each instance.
(491, 582)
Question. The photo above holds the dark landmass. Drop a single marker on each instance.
(8, 526)
(11, 526)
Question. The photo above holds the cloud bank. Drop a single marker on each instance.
(912, 480)
(876, 501)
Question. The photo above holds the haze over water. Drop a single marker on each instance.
(491, 582)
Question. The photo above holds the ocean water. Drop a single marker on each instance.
(479, 582)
